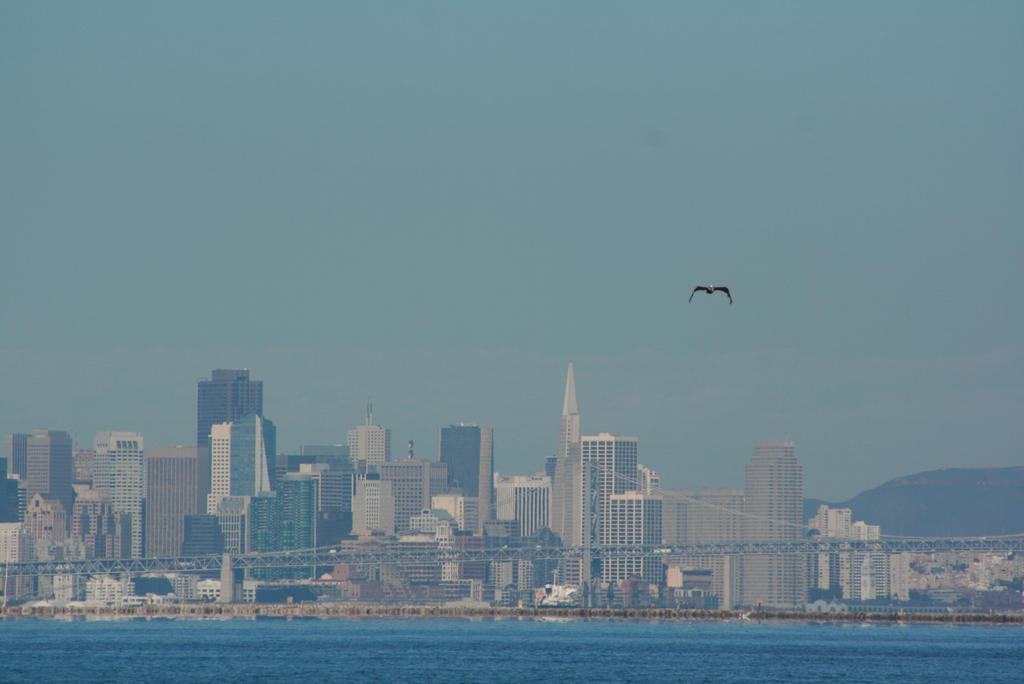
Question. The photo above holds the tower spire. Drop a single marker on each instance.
(569, 407)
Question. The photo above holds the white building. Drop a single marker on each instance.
(525, 498)
(832, 522)
(614, 458)
(240, 459)
(369, 443)
(373, 506)
(15, 547)
(107, 591)
(648, 481)
(119, 471)
(632, 519)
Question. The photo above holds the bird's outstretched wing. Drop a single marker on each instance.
(696, 290)
(724, 289)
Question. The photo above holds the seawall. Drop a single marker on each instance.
(356, 611)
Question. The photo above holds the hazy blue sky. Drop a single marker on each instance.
(439, 205)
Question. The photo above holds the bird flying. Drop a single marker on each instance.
(711, 289)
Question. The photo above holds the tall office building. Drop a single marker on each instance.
(119, 472)
(525, 499)
(16, 547)
(95, 525)
(16, 453)
(48, 466)
(46, 520)
(373, 505)
(632, 519)
(227, 396)
(566, 484)
(773, 512)
(712, 516)
(369, 445)
(242, 457)
(569, 435)
(410, 486)
(468, 451)
(174, 477)
(615, 459)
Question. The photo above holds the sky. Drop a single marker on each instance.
(438, 206)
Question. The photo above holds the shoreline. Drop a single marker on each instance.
(200, 611)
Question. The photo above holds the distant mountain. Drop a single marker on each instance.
(952, 502)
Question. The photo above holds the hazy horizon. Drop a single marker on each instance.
(440, 206)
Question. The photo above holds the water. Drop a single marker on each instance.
(503, 650)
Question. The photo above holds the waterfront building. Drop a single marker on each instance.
(226, 397)
(118, 470)
(525, 499)
(175, 478)
(468, 452)
(48, 466)
(108, 591)
(632, 519)
(711, 516)
(16, 547)
(369, 445)
(773, 511)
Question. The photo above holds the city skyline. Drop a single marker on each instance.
(441, 207)
(525, 466)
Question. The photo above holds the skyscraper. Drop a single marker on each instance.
(242, 458)
(48, 466)
(615, 458)
(369, 445)
(468, 451)
(16, 453)
(410, 486)
(225, 397)
(173, 491)
(632, 519)
(566, 485)
(373, 505)
(525, 499)
(118, 471)
(773, 512)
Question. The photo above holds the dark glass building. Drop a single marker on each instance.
(224, 398)
(202, 535)
(468, 452)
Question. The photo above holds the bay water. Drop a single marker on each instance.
(508, 650)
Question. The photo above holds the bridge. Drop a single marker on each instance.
(419, 553)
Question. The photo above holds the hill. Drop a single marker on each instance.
(952, 502)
